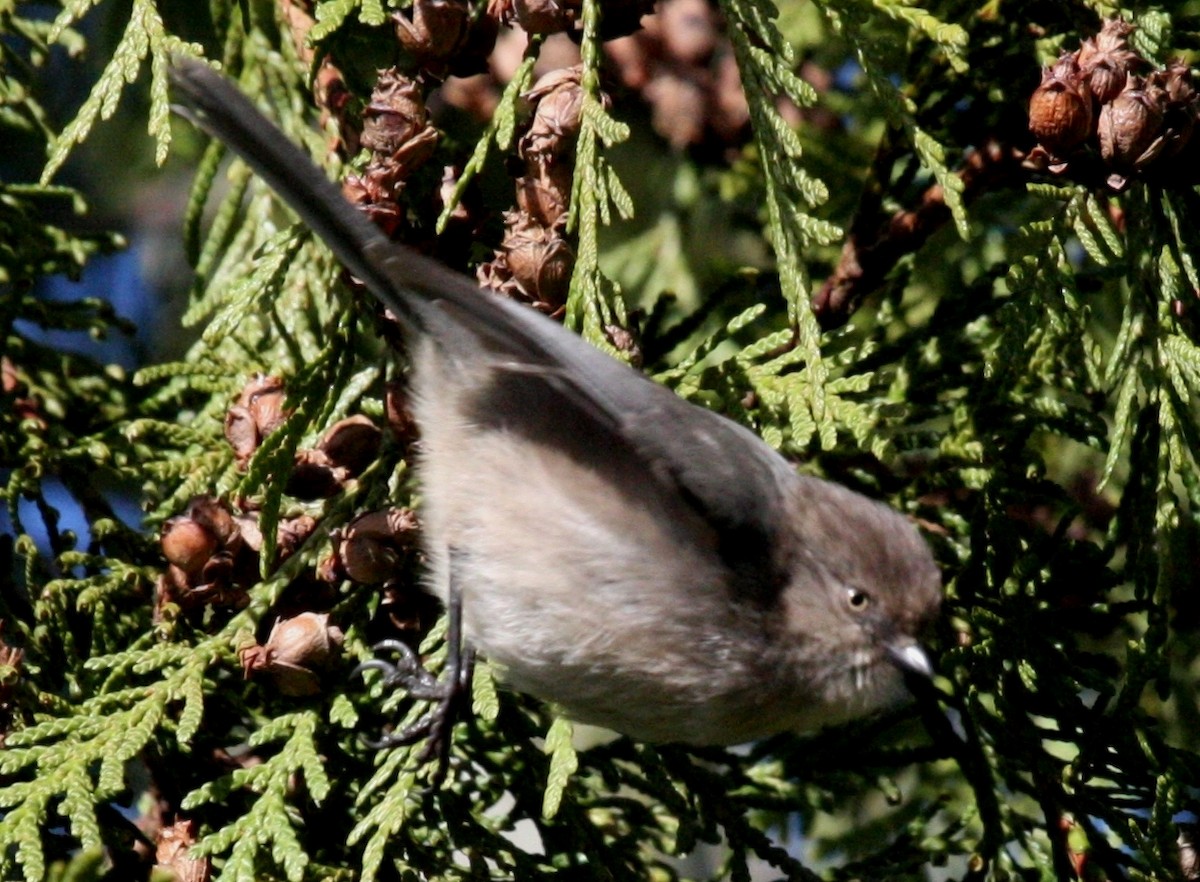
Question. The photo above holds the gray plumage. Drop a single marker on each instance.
(642, 562)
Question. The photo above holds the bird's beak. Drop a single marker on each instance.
(908, 655)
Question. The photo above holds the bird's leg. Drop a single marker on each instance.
(409, 674)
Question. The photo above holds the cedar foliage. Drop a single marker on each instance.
(1021, 375)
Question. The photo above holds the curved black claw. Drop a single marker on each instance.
(409, 674)
(436, 725)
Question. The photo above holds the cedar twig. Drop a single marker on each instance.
(874, 245)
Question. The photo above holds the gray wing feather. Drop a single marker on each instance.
(730, 477)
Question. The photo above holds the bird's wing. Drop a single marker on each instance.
(725, 473)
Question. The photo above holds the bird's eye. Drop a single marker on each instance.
(857, 600)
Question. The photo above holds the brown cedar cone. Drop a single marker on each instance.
(211, 513)
(558, 98)
(555, 16)
(1106, 59)
(213, 586)
(171, 853)
(257, 413)
(545, 194)
(313, 476)
(391, 172)
(685, 69)
(344, 451)
(729, 117)
(1130, 129)
(376, 200)
(187, 544)
(241, 433)
(207, 558)
(295, 650)
(1179, 115)
(352, 444)
(545, 16)
(371, 547)
(1060, 110)
(395, 114)
(289, 534)
(217, 584)
(437, 29)
(397, 132)
(538, 262)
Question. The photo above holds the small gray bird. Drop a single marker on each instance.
(639, 561)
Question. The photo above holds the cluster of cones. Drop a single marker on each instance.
(214, 547)
(677, 60)
(534, 261)
(1094, 101)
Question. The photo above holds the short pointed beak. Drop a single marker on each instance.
(908, 655)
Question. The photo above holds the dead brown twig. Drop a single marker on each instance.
(875, 244)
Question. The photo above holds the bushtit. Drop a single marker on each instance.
(639, 561)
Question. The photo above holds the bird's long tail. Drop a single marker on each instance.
(402, 279)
